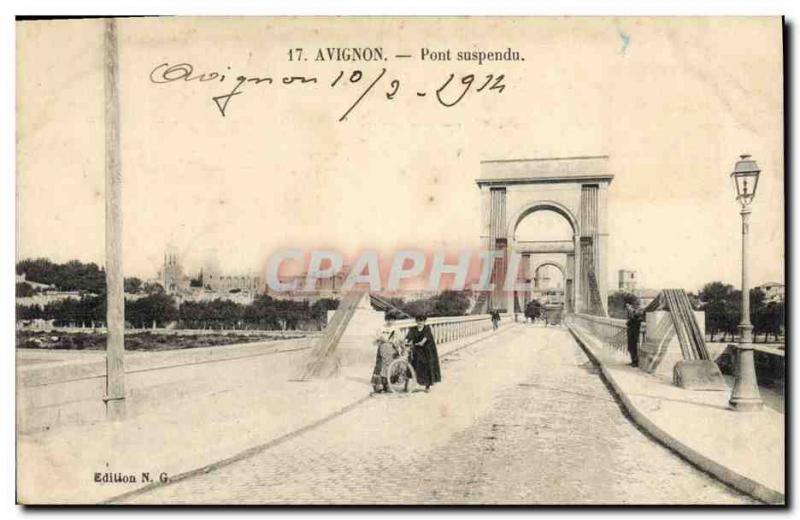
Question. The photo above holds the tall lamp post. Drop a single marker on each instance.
(745, 395)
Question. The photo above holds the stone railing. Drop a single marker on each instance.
(451, 328)
(770, 364)
(70, 390)
(611, 331)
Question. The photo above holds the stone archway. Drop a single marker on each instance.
(541, 205)
(536, 271)
(574, 187)
(546, 263)
(534, 252)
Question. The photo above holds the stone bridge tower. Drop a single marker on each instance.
(573, 187)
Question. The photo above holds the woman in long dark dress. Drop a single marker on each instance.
(424, 356)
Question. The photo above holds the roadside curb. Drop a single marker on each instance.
(255, 450)
(723, 473)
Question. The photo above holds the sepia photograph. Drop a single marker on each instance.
(400, 260)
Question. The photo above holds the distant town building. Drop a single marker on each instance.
(206, 295)
(171, 275)
(409, 295)
(209, 284)
(324, 288)
(773, 291)
(627, 280)
(222, 282)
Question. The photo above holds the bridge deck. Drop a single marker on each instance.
(521, 417)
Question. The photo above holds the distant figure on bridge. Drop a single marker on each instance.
(387, 352)
(424, 356)
(533, 310)
(495, 318)
(633, 326)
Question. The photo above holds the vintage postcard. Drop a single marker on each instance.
(400, 260)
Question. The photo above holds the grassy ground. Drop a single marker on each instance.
(140, 341)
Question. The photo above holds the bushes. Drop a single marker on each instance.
(71, 276)
(265, 313)
(617, 302)
(24, 289)
(47, 340)
(157, 308)
(146, 341)
(446, 303)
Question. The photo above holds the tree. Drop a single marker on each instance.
(617, 301)
(153, 288)
(398, 312)
(76, 312)
(446, 303)
(191, 315)
(320, 308)
(216, 314)
(71, 276)
(158, 308)
(722, 304)
(23, 289)
(771, 320)
(732, 314)
(28, 312)
(133, 285)
(718, 302)
(450, 303)
(421, 307)
(263, 313)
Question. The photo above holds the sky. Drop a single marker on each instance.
(672, 102)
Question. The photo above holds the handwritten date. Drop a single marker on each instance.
(449, 93)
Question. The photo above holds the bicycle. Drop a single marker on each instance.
(400, 374)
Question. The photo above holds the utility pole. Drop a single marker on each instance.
(115, 295)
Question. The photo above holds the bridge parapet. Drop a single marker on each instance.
(450, 328)
(611, 331)
(770, 365)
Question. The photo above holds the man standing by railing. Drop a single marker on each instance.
(633, 326)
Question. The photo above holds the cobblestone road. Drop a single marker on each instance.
(522, 417)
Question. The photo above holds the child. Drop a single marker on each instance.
(386, 353)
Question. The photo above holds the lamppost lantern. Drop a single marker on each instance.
(745, 395)
(745, 179)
